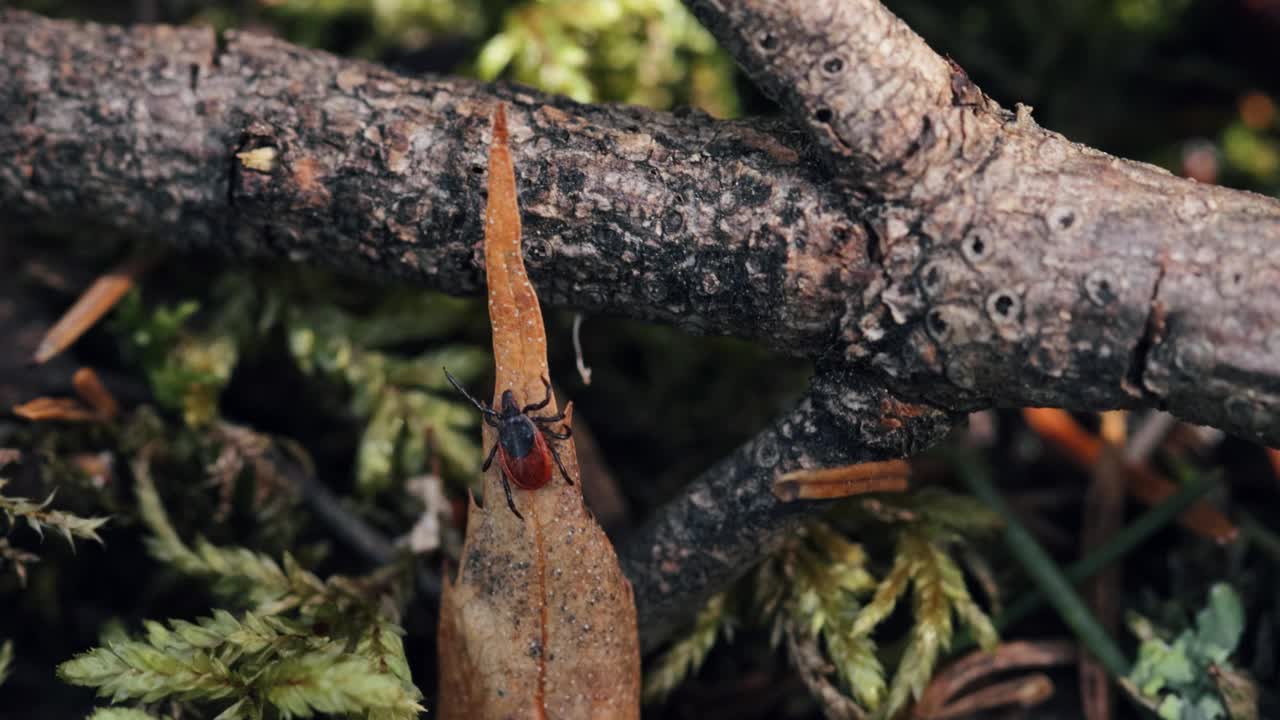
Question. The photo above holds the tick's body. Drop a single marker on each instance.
(524, 455)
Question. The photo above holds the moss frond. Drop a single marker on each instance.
(333, 682)
(6, 659)
(686, 655)
(881, 605)
(39, 518)
(121, 714)
(247, 657)
(305, 646)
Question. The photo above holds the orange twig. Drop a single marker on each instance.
(1059, 429)
(97, 301)
(44, 409)
(1274, 456)
(92, 391)
(830, 483)
(97, 404)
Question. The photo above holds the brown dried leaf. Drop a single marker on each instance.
(540, 622)
(940, 699)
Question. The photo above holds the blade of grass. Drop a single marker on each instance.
(1120, 544)
(1042, 569)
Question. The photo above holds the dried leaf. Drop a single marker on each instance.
(940, 697)
(1025, 692)
(540, 621)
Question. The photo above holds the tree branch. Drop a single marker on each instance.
(880, 103)
(944, 250)
(727, 519)
(1019, 268)
(716, 227)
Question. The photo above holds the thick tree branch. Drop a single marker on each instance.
(716, 227)
(1020, 268)
(883, 106)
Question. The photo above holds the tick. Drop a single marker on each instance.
(523, 451)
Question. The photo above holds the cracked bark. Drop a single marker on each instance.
(898, 226)
(1018, 268)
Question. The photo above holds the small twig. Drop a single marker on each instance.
(1113, 429)
(980, 664)
(1037, 563)
(1102, 518)
(1025, 692)
(351, 530)
(583, 370)
(95, 302)
(90, 389)
(1059, 429)
(1152, 430)
(96, 403)
(830, 483)
(813, 669)
(46, 409)
(983, 428)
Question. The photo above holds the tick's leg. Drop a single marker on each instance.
(488, 411)
(538, 406)
(511, 502)
(491, 420)
(568, 433)
(489, 460)
(544, 419)
(556, 456)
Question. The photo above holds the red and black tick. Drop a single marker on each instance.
(522, 449)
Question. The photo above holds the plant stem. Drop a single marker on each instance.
(1043, 570)
(1120, 544)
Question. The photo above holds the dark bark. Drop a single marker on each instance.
(729, 518)
(716, 227)
(916, 239)
(1019, 268)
